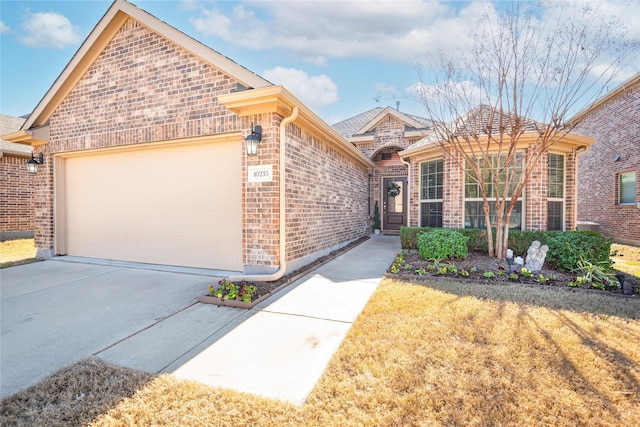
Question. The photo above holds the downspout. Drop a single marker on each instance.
(408, 207)
(578, 152)
(283, 258)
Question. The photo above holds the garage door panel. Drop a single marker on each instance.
(176, 205)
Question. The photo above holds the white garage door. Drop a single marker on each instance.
(172, 205)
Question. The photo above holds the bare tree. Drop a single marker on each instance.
(481, 101)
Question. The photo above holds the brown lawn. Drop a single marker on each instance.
(418, 355)
(17, 251)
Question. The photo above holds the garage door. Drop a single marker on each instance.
(173, 205)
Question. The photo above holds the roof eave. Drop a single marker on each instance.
(567, 143)
(103, 33)
(279, 100)
(599, 102)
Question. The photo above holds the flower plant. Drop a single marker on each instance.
(230, 291)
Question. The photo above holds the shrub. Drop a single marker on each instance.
(519, 241)
(566, 249)
(477, 238)
(442, 243)
(409, 236)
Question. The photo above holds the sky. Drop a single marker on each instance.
(340, 58)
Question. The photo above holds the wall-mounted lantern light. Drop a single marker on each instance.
(32, 165)
(252, 141)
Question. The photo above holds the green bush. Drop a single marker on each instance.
(409, 236)
(442, 243)
(566, 249)
(519, 241)
(477, 238)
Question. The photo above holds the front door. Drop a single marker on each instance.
(394, 203)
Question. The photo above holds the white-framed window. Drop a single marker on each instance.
(627, 188)
(473, 204)
(556, 192)
(431, 182)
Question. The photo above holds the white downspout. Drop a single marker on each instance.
(577, 153)
(408, 207)
(283, 256)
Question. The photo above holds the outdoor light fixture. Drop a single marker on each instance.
(251, 141)
(32, 165)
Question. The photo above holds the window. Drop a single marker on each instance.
(473, 205)
(627, 188)
(431, 194)
(555, 201)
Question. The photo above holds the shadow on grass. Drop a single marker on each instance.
(551, 297)
(74, 395)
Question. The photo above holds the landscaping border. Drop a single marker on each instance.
(287, 280)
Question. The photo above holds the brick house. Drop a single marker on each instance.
(381, 133)
(608, 193)
(144, 159)
(434, 190)
(16, 210)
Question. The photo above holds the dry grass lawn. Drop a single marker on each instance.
(17, 251)
(626, 258)
(418, 355)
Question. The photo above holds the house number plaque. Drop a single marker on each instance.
(262, 173)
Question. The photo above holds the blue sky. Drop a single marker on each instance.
(340, 57)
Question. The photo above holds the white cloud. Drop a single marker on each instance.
(385, 88)
(315, 91)
(316, 30)
(49, 29)
(4, 27)
(401, 32)
(190, 5)
(465, 94)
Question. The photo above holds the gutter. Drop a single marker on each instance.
(408, 207)
(579, 152)
(283, 255)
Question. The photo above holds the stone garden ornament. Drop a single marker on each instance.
(535, 256)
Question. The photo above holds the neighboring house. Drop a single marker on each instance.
(608, 190)
(434, 188)
(144, 159)
(16, 206)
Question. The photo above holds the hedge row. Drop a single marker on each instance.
(565, 248)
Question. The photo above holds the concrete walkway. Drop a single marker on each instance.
(279, 349)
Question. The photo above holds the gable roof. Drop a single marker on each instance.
(482, 121)
(363, 125)
(350, 126)
(101, 35)
(634, 80)
(10, 124)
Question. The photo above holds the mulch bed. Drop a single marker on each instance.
(267, 288)
(483, 263)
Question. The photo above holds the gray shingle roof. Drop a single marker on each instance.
(10, 124)
(476, 122)
(348, 127)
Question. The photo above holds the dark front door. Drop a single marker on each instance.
(394, 203)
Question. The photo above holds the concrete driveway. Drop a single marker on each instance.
(54, 313)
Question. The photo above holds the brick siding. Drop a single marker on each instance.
(535, 196)
(326, 195)
(16, 208)
(389, 137)
(143, 88)
(616, 127)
